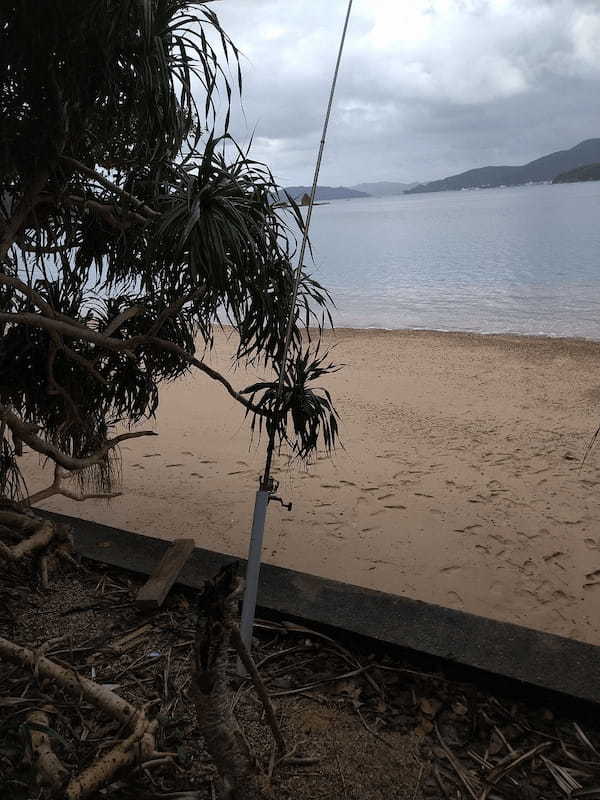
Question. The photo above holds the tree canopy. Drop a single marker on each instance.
(130, 228)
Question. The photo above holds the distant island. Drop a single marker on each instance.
(542, 170)
(373, 189)
(590, 172)
(324, 193)
(383, 188)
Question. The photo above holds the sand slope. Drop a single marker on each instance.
(460, 481)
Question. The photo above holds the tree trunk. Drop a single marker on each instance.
(210, 691)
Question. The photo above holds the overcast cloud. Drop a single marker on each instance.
(427, 87)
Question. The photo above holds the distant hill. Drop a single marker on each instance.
(590, 172)
(325, 192)
(383, 188)
(538, 171)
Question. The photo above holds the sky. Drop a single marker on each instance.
(427, 88)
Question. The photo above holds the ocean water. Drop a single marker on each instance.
(521, 259)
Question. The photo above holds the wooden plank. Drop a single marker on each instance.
(156, 588)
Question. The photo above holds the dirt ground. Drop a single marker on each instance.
(361, 723)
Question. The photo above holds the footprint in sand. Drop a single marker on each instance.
(173, 465)
(454, 597)
(348, 483)
(329, 486)
(186, 453)
(151, 455)
(207, 461)
(396, 505)
(385, 496)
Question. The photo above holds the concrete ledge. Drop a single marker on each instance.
(543, 660)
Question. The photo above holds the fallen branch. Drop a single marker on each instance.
(70, 680)
(249, 664)
(139, 745)
(50, 771)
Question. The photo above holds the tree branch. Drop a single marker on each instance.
(106, 210)
(19, 217)
(56, 487)
(35, 297)
(110, 185)
(28, 433)
(127, 345)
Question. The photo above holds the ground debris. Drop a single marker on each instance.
(357, 724)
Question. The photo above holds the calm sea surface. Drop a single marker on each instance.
(523, 260)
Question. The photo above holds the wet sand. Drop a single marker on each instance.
(460, 482)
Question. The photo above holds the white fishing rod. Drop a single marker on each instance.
(268, 486)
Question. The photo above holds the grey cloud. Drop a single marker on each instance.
(427, 87)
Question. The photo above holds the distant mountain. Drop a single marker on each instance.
(383, 188)
(325, 192)
(538, 171)
(590, 172)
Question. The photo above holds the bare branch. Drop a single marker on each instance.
(110, 185)
(28, 433)
(56, 487)
(106, 210)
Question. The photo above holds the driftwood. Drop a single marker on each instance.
(139, 746)
(223, 738)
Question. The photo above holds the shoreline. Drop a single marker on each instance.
(460, 482)
(455, 332)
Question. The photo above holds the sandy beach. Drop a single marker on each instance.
(460, 482)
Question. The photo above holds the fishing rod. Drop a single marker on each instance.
(267, 485)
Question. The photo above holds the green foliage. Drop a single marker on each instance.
(125, 212)
(310, 410)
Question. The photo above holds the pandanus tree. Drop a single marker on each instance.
(130, 228)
